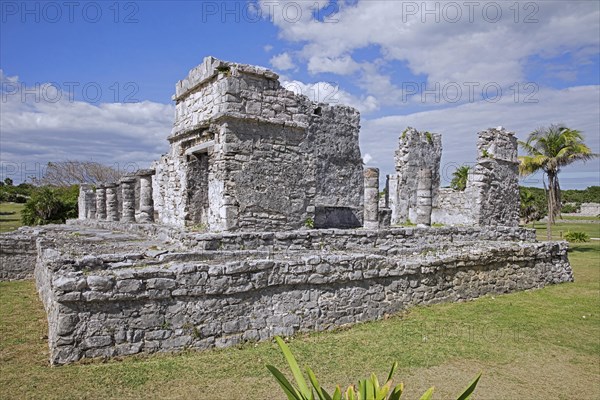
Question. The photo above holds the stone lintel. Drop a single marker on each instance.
(145, 172)
(127, 179)
(201, 148)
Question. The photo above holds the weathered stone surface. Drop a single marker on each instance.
(112, 202)
(17, 254)
(371, 201)
(146, 196)
(247, 154)
(128, 198)
(101, 202)
(416, 151)
(424, 197)
(256, 285)
(86, 202)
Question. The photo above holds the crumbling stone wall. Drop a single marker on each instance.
(492, 194)
(454, 207)
(119, 304)
(416, 151)
(496, 178)
(17, 255)
(589, 209)
(275, 159)
(333, 137)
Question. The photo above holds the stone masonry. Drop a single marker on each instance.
(247, 154)
(492, 193)
(416, 150)
(138, 293)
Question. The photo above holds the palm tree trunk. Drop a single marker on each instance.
(553, 194)
(550, 199)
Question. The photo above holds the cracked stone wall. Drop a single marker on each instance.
(17, 255)
(490, 198)
(119, 304)
(492, 194)
(416, 151)
(274, 159)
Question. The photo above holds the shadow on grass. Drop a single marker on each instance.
(582, 249)
(8, 212)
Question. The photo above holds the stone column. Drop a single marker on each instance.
(90, 199)
(101, 202)
(82, 201)
(371, 216)
(112, 202)
(146, 201)
(424, 203)
(128, 198)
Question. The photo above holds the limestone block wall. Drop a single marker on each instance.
(388, 241)
(454, 207)
(248, 154)
(589, 209)
(496, 178)
(491, 197)
(218, 299)
(17, 255)
(269, 176)
(416, 151)
(333, 137)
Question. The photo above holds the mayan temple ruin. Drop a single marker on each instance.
(262, 220)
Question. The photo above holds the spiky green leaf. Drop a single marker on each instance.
(296, 372)
(466, 394)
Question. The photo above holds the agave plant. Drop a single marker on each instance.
(367, 389)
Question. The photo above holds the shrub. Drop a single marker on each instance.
(569, 208)
(577, 237)
(49, 205)
(367, 389)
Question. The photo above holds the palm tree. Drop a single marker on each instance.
(529, 211)
(550, 149)
(459, 178)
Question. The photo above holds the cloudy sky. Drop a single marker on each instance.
(93, 80)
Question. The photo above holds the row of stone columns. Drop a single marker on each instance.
(103, 204)
(371, 198)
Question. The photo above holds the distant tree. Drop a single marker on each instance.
(550, 149)
(50, 205)
(8, 182)
(66, 173)
(460, 177)
(529, 210)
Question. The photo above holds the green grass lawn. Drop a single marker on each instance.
(579, 218)
(10, 216)
(540, 344)
(559, 229)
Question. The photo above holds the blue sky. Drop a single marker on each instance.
(439, 66)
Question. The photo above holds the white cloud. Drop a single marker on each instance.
(267, 48)
(344, 65)
(367, 158)
(35, 132)
(282, 62)
(468, 44)
(327, 92)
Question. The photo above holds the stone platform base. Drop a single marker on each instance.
(111, 292)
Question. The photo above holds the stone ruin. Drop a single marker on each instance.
(261, 220)
(490, 198)
(247, 154)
